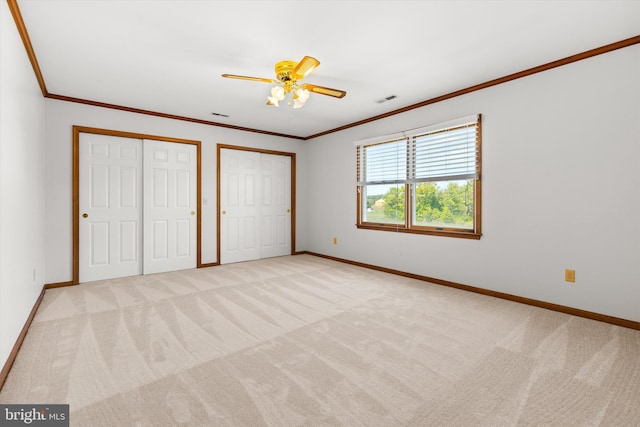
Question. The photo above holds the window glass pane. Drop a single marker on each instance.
(383, 204)
(444, 204)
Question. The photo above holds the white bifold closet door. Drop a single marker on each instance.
(255, 205)
(169, 206)
(137, 205)
(110, 207)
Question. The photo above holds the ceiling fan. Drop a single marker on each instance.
(289, 74)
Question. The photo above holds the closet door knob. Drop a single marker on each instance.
(85, 215)
(193, 213)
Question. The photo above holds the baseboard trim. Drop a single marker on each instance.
(59, 285)
(529, 301)
(16, 347)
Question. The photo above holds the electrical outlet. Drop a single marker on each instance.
(570, 276)
(335, 240)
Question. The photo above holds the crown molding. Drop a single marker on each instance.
(17, 16)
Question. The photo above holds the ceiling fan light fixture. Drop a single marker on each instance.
(273, 101)
(288, 74)
(301, 95)
(278, 92)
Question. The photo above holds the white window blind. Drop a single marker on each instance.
(446, 155)
(445, 152)
(386, 163)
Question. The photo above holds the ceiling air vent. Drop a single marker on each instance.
(388, 98)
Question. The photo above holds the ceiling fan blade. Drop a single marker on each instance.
(336, 93)
(304, 67)
(255, 79)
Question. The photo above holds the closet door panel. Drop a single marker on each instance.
(169, 206)
(239, 214)
(110, 207)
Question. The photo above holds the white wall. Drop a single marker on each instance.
(61, 116)
(561, 189)
(22, 117)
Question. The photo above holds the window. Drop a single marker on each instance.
(424, 181)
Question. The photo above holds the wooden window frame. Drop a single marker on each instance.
(408, 226)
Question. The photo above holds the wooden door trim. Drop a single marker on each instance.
(77, 130)
(293, 190)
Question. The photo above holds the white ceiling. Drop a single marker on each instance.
(167, 56)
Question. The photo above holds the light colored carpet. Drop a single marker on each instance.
(302, 340)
